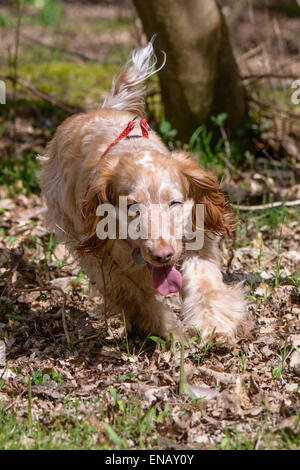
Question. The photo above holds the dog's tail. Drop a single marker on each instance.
(127, 91)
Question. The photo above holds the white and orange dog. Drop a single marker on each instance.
(98, 156)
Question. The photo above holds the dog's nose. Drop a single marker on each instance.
(162, 255)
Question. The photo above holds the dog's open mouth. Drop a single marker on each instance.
(166, 279)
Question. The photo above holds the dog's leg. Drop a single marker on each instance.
(137, 300)
(152, 316)
(208, 304)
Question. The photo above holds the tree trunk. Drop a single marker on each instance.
(200, 78)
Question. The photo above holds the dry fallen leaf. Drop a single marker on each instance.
(241, 391)
(295, 356)
(6, 374)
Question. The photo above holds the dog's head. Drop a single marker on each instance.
(155, 197)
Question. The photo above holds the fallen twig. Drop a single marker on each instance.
(33, 215)
(261, 76)
(15, 401)
(221, 377)
(267, 206)
(86, 338)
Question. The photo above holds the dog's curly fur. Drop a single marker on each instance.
(147, 172)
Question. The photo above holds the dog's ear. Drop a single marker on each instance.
(204, 189)
(100, 191)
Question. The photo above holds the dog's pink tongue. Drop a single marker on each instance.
(166, 279)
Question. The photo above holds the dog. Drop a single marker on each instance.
(99, 156)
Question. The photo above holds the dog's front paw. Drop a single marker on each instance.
(222, 312)
(177, 334)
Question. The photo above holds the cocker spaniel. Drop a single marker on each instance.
(110, 186)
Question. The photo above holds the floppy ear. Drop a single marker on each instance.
(99, 192)
(204, 189)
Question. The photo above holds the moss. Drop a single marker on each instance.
(108, 24)
(6, 20)
(73, 83)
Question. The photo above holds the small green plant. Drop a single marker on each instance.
(201, 142)
(125, 377)
(214, 147)
(295, 280)
(56, 377)
(167, 133)
(220, 119)
(49, 248)
(277, 371)
(25, 170)
(65, 432)
(206, 346)
(273, 217)
(242, 358)
(142, 350)
(234, 440)
(126, 336)
(114, 437)
(164, 413)
(260, 254)
(79, 277)
(39, 377)
(130, 420)
(158, 340)
(48, 11)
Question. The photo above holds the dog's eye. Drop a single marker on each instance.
(175, 203)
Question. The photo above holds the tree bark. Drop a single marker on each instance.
(201, 78)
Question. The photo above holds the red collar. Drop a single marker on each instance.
(145, 128)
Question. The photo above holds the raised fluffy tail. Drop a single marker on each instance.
(127, 92)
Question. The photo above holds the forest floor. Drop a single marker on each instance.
(103, 389)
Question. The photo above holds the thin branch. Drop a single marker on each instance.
(230, 166)
(41, 94)
(33, 215)
(267, 206)
(252, 52)
(86, 338)
(262, 104)
(59, 48)
(261, 76)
